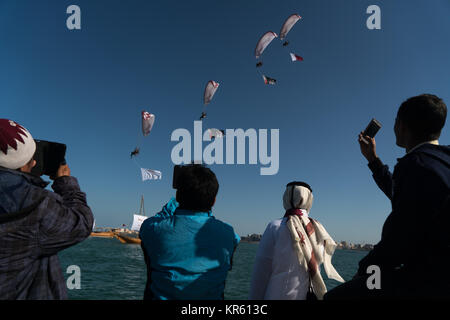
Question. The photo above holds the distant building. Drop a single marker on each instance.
(351, 246)
(344, 245)
(251, 238)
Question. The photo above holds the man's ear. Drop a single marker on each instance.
(400, 133)
(30, 165)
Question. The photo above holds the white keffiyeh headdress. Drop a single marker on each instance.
(311, 241)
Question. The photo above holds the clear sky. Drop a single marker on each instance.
(86, 88)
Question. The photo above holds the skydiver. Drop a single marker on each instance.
(203, 115)
(285, 43)
(259, 64)
(135, 152)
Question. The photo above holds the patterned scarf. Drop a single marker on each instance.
(314, 246)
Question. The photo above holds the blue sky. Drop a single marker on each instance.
(86, 88)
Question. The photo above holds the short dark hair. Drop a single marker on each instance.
(197, 187)
(299, 183)
(424, 115)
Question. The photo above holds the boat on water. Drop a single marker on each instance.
(102, 232)
(132, 236)
(99, 234)
(127, 238)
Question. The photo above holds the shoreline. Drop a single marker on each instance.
(337, 248)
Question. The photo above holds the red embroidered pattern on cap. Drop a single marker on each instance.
(9, 133)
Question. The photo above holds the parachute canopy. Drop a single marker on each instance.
(262, 44)
(288, 24)
(147, 122)
(210, 90)
(215, 133)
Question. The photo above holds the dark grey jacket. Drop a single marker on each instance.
(35, 224)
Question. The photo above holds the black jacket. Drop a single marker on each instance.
(415, 241)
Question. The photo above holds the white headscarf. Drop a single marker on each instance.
(312, 243)
(297, 197)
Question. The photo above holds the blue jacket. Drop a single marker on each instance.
(35, 224)
(415, 236)
(188, 254)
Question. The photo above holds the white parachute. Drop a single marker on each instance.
(262, 44)
(148, 120)
(215, 133)
(210, 90)
(288, 24)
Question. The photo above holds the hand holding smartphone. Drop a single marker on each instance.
(371, 130)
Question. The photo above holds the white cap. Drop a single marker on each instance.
(17, 146)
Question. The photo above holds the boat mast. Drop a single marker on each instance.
(142, 210)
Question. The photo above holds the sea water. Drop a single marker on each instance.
(112, 270)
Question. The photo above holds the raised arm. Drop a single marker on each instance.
(412, 225)
(380, 171)
(67, 219)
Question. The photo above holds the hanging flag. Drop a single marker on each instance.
(268, 80)
(137, 222)
(295, 57)
(148, 174)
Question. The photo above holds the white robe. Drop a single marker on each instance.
(277, 274)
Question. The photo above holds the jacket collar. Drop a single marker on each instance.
(37, 181)
(435, 142)
(185, 212)
(421, 147)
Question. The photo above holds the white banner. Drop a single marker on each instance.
(148, 174)
(137, 221)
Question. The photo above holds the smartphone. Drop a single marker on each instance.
(49, 157)
(372, 128)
